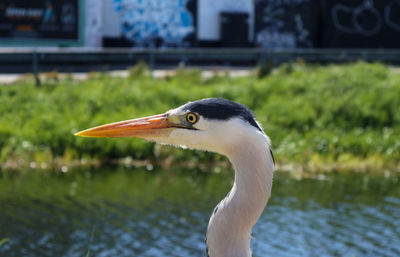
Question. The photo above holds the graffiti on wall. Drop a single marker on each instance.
(284, 23)
(360, 23)
(149, 22)
(365, 19)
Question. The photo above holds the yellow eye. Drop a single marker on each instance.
(191, 117)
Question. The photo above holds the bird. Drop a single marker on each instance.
(225, 127)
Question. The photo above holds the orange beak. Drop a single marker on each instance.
(147, 127)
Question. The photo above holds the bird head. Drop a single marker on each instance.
(211, 124)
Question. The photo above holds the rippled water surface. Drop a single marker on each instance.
(139, 213)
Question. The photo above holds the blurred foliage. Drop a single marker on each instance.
(264, 69)
(345, 115)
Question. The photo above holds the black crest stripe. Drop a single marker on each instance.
(221, 109)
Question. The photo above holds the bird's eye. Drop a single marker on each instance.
(191, 117)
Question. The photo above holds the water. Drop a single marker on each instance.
(139, 213)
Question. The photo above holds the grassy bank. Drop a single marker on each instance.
(333, 117)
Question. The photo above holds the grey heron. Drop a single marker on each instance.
(225, 127)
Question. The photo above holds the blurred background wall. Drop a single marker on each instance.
(268, 24)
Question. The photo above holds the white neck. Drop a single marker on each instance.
(230, 225)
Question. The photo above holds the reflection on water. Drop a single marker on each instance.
(137, 213)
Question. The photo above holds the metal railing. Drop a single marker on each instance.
(31, 60)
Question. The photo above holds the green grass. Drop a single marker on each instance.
(319, 117)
